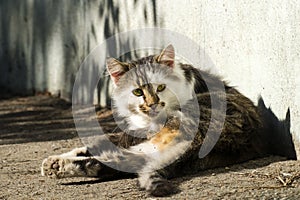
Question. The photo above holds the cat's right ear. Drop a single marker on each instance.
(115, 69)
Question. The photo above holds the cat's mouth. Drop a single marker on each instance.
(153, 113)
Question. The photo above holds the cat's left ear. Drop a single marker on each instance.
(167, 56)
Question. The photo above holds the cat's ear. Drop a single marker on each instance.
(115, 69)
(167, 56)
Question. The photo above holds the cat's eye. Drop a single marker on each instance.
(137, 92)
(161, 88)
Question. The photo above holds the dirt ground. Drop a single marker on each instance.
(32, 128)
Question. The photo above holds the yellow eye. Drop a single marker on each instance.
(161, 88)
(138, 92)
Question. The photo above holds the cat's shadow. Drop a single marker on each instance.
(278, 132)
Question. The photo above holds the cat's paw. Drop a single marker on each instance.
(63, 167)
(53, 166)
(162, 189)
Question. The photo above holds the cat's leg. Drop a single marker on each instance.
(59, 166)
(79, 161)
(63, 166)
(162, 150)
(156, 185)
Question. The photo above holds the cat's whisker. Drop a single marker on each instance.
(113, 131)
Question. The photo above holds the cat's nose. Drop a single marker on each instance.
(153, 106)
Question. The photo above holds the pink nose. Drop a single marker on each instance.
(153, 106)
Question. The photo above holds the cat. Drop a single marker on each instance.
(168, 109)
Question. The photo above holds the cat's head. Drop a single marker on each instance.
(146, 90)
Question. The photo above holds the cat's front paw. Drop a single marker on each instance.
(53, 166)
(163, 189)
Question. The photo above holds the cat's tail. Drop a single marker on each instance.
(276, 133)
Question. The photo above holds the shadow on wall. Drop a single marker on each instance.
(43, 43)
(278, 134)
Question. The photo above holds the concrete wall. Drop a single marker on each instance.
(254, 44)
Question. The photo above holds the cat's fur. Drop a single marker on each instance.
(169, 131)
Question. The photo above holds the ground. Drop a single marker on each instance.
(32, 128)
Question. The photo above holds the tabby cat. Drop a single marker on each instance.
(165, 127)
